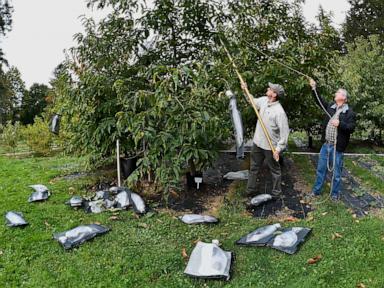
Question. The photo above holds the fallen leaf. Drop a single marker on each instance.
(47, 224)
(336, 235)
(1, 253)
(150, 214)
(174, 194)
(113, 218)
(143, 225)
(314, 259)
(310, 218)
(357, 221)
(291, 219)
(184, 254)
(324, 213)
(360, 285)
(195, 242)
(354, 216)
(98, 223)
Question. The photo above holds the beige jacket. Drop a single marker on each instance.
(276, 122)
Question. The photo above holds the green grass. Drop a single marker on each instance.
(20, 148)
(146, 252)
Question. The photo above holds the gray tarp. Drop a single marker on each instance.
(15, 219)
(79, 235)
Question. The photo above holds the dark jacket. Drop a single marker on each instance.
(347, 120)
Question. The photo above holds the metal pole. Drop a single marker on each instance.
(118, 162)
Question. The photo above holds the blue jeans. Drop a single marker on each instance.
(321, 172)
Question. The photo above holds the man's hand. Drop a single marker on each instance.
(312, 83)
(335, 123)
(276, 155)
(244, 86)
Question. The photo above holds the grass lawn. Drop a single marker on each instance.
(20, 148)
(147, 252)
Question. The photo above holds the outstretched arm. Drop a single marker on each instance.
(320, 101)
(258, 101)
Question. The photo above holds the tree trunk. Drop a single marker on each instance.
(192, 167)
(310, 139)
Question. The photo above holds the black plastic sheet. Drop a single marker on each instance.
(286, 240)
(290, 239)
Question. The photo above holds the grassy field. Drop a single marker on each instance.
(147, 251)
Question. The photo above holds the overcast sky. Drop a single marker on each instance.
(42, 29)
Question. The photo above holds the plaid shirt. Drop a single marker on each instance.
(331, 131)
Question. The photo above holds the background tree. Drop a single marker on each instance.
(17, 91)
(5, 93)
(34, 102)
(5, 25)
(365, 17)
(360, 71)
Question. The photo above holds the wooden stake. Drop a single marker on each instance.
(118, 162)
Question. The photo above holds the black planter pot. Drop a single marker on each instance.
(191, 179)
(127, 166)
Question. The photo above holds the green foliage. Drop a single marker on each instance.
(34, 102)
(179, 122)
(5, 16)
(280, 31)
(12, 91)
(360, 71)
(38, 137)
(153, 81)
(10, 135)
(365, 17)
(5, 26)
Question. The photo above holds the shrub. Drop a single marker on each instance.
(38, 137)
(10, 135)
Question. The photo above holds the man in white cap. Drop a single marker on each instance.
(337, 127)
(276, 122)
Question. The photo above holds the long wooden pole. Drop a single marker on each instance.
(244, 87)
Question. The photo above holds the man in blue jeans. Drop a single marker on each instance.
(338, 125)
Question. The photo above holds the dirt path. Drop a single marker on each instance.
(293, 192)
(215, 189)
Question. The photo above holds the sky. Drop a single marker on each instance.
(43, 29)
